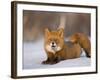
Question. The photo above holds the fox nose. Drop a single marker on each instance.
(53, 43)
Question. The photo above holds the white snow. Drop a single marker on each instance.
(34, 54)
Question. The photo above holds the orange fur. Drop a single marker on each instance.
(57, 50)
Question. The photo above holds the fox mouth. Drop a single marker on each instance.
(54, 48)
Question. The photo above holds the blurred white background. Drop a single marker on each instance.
(5, 40)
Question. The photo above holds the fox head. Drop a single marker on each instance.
(54, 40)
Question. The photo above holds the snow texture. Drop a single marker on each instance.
(34, 54)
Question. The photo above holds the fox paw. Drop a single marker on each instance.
(45, 62)
(49, 62)
(53, 62)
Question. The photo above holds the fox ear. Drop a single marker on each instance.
(47, 32)
(77, 35)
(61, 32)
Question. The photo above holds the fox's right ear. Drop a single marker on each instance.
(61, 32)
(47, 32)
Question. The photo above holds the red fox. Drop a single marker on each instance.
(57, 49)
(84, 42)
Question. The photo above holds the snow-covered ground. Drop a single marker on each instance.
(34, 54)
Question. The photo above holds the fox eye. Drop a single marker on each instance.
(50, 39)
(56, 41)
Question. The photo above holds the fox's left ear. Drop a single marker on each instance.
(61, 32)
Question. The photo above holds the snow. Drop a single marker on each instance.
(34, 54)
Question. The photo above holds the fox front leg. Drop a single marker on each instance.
(56, 60)
(51, 61)
(46, 61)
